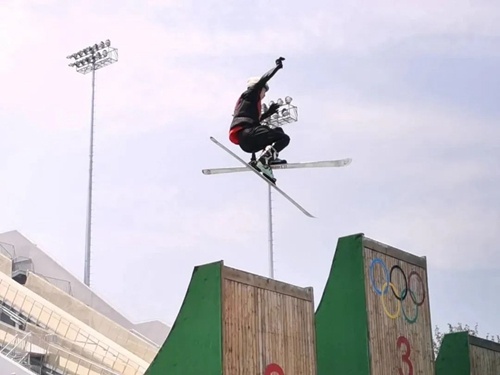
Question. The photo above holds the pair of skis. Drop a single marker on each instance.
(316, 164)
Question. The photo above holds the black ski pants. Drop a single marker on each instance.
(257, 138)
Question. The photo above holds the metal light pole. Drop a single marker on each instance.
(271, 240)
(85, 61)
(286, 114)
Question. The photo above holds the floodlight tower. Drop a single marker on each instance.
(286, 114)
(85, 61)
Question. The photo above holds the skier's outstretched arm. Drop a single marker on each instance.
(270, 74)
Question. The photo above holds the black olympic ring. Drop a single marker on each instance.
(404, 291)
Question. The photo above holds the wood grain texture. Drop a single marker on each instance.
(266, 322)
(485, 360)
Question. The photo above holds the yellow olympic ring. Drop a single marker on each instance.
(392, 316)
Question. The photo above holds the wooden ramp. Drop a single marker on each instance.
(463, 354)
(374, 315)
(237, 323)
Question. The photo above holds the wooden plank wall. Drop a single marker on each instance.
(400, 338)
(484, 357)
(268, 326)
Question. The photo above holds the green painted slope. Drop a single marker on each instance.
(453, 357)
(194, 345)
(341, 323)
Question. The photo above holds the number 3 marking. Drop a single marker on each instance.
(406, 356)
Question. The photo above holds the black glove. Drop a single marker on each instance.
(270, 111)
(273, 108)
(279, 62)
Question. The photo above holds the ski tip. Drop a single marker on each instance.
(205, 171)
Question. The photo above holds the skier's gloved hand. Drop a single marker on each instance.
(279, 62)
(273, 108)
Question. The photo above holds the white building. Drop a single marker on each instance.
(52, 323)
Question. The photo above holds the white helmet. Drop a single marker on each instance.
(253, 80)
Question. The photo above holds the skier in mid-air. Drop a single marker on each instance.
(246, 129)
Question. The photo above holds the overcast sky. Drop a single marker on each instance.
(410, 92)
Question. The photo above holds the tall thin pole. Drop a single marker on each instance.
(87, 60)
(271, 251)
(86, 277)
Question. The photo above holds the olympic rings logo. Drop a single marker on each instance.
(400, 294)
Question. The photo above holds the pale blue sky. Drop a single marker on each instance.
(410, 92)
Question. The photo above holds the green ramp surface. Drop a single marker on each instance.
(193, 345)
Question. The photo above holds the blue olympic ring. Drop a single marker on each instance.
(372, 278)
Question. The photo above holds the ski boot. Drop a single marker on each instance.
(270, 157)
(266, 171)
(262, 168)
(253, 163)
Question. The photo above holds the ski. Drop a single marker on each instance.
(312, 164)
(261, 176)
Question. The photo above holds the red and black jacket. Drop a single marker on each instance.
(247, 112)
